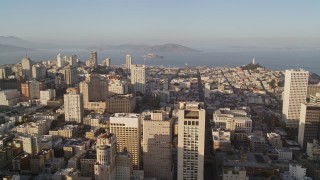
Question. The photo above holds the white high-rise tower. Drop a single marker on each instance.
(138, 78)
(191, 139)
(295, 93)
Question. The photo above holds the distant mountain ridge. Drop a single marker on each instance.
(12, 43)
(169, 47)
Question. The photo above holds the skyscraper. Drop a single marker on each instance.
(93, 59)
(295, 93)
(70, 76)
(309, 125)
(127, 127)
(157, 146)
(138, 78)
(26, 64)
(73, 106)
(60, 61)
(191, 138)
(128, 62)
(107, 62)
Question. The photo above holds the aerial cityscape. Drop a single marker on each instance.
(141, 90)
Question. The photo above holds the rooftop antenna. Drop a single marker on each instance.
(26, 52)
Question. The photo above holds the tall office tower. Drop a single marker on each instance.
(60, 61)
(128, 61)
(31, 90)
(30, 145)
(138, 78)
(295, 93)
(70, 76)
(107, 62)
(309, 125)
(73, 60)
(26, 64)
(191, 139)
(105, 168)
(73, 106)
(38, 72)
(127, 127)
(157, 146)
(94, 89)
(93, 58)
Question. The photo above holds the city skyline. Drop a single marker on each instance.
(187, 22)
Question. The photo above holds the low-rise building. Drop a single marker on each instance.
(236, 173)
(274, 139)
(221, 140)
(121, 103)
(9, 97)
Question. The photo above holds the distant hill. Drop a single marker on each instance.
(9, 48)
(15, 41)
(251, 66)
(150, 49)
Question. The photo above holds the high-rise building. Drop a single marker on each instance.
(157, 146)
(93, 59)
(38, 72)
(95, 90)
(107, 62)
(127, 127)
(191, 141)
(73, 105)
(124, 166)
(5, 72)
(60, 61)
(26, 64)
(295, 93)
(30, 145)
(70, 76)
(138, 78)
(117, 86)
(105, 168)
(309, 125)
(31, 90)
(128, 62)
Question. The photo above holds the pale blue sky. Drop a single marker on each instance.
(197, 23)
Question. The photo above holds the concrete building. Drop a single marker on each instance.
(128, 62)
(191, 141)
(121, 103)
(232, 120)
(284, 153)
(73, 105)
(38, 72)
(309, 125)
(5, 72)
(257, 143)
(26, 65)
(295, 93)
(138, 78)
(60, 61)
(236, 173)
(157, 146)
(117, 86)
(67, 173)
(105, 168)
(106, 62)
(127, 127)
(31, 145)
(87, 163)
(47, 95)
(93, 59)
(123, 166)
(221, 140)
(274, 139)
(70, 75)
(313, 150)
(296, 170)
(31, 90)
(95, 92)
(9, 97)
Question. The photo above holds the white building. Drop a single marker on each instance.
(128, 62)
(274, 139)
(284, 153)
(60, 61)
(297, 171)
(221, 140)
(26, 65)
(47, 95)
(9, 97)
(127, 127)
(138, 78)
(313, 150)
(191, 141)
(73, 106)
(117, 87)
(295, 93)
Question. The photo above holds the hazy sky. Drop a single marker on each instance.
(197, 23)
